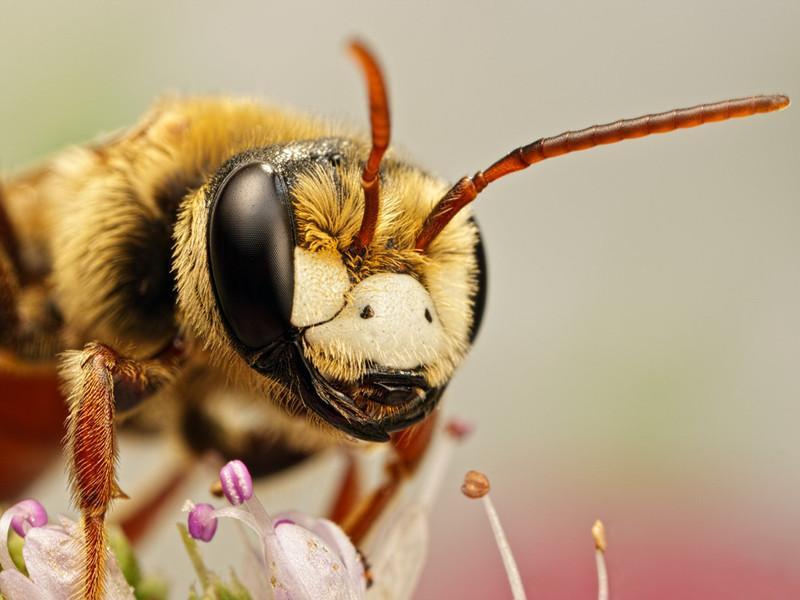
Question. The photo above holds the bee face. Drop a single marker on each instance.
(366, 340)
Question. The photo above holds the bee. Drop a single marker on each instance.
(222, 242)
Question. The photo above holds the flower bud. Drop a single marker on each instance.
(202, 523)
(28, 513)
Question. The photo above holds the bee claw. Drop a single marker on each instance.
(117, 492)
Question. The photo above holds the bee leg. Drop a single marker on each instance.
(346, 498)
(410, 446)
(98, 382)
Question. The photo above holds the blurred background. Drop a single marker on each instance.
(639, 360)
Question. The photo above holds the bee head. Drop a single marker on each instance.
(368, 336)
(358, 283)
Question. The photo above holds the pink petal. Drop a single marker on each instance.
(304, 567)
(52, 556)
(52, 559)
(336, 539)
(29, 513)
(15, 586)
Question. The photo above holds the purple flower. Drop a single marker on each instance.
(52, 555)
(27, 514)
(299, 557)
(302, 557)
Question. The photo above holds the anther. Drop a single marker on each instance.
(237, 484)
(599, 535)
(476, 485)
(28, 514)
(202, 523)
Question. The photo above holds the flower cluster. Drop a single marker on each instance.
(49, 567)
(302, 557)
(299, 556)
(296, 556)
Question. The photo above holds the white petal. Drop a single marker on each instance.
(15, 586)
(53, 559)
(336, 539)
(117, 587)
(6, 563)
(397, 563)
(303, 565)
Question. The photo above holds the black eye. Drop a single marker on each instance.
(479, 301)
(251, 253)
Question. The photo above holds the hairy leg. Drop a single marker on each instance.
(98, 381)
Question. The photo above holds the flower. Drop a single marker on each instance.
(303, 557)
(300, 556)
(52, 555)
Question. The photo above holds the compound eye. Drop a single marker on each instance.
(479, 301)
(251, 252)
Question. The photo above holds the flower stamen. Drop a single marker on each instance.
(202, 523)
(27, 514)
(237, 484)
(21, 518)
(298, 556)
(599, 535)
(476, 485)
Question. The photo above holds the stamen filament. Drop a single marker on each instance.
(514, 579)
(599, 535)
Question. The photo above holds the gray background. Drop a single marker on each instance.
(641, 347)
